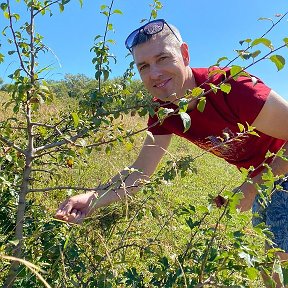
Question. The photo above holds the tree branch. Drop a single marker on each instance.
(15, 41)
(12, 145)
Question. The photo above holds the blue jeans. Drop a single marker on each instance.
(275, 215)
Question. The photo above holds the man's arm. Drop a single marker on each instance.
(76, 208)
(272, 120)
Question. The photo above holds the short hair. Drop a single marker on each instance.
(174, 37)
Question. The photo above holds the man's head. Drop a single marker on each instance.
(150, 29)
(162, 59)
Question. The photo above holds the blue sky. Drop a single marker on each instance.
(211, 29)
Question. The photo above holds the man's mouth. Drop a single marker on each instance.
(162, 84)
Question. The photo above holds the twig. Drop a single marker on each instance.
(15, 41)
(12, 145)
(60, 188)
(45, 7)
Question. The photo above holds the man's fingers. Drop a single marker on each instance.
(64, 209)
(76, 217)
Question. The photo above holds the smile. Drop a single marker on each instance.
(162, 84)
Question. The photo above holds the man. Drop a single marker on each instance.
(162, 59)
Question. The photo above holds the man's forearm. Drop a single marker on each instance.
(123, 185)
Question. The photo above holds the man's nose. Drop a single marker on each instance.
(155, 72)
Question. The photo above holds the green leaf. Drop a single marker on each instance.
(1, 58)
(76, 119)
(103, 7)
(214, 87)
(255, 53)
(225, 87)
(183, 105)
(245, 41)
(221, 59)
(241, 127)
(278, 60)
(110, 26)
(154, 13)
(252, 273)
(105, 75)
(16, 16)
(81, 3)
(217, 71)
(201, 104)
(264, 18)
(235, 71)
(61, 7)
(263, 41)
(3, 6)
(246, 257)
(186, 120)
(197, 91)
(278, 269)
(164, 112)
(117, 11)
(286, 41)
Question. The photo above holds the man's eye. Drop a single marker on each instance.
(162, 58)
(143, 67)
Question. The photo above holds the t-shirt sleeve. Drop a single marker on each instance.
(246, 98)
(155, 127)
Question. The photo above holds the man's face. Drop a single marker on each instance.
(162, 68)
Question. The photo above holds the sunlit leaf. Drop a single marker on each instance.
(154, 13)
(201, 104)
(76, 119)
(225, 87)
(222, 59)
(214, 87)
(235, 71)
(245, 41)
(246, 257)
(252, 273)
(117, 11)
(183, 105)
(197, 91)
(217, 71)
(241, 127)
(263, 41)
(1, 58)
(278, 60)
(186, 120)
(278, 270)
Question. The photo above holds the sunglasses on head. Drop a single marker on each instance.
(150, 28)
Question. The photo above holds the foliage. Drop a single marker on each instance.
(44, 148)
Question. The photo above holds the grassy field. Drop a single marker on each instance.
(147, 218)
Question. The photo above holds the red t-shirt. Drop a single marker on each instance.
(219, 120)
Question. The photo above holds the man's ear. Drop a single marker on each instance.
(185, 53)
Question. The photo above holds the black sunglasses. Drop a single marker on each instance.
(150, 28)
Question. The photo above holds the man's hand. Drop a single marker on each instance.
(76, 208)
